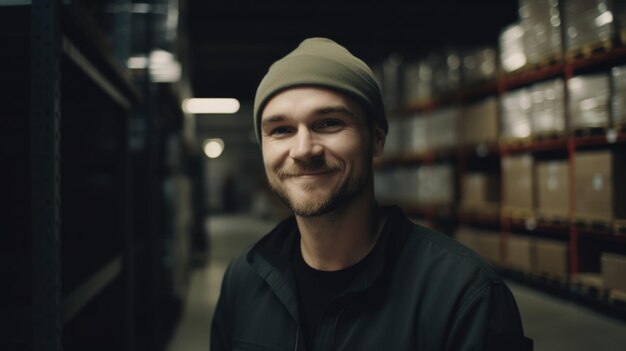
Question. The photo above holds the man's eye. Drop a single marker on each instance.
(330, 123)
(279, 131)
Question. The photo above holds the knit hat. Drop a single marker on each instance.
(322, 62)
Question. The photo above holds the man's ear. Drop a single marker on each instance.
(379, 141)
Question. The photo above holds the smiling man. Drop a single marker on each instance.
(345, 273)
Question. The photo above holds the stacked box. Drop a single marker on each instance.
(446, 72)
(547, 111)
(541, 22)
(517, 175)
(416, 133)
(479, 123)
(587, 22)
(618, 100)
(551, 258)
(479, 65)
(442, 128)
(589, 100)
(552, 179)
(417, 82)
(480, 190)
(519, 253)
(599, 190)
(512, 52)
(435, 185)
(516, 112)
(613, 271)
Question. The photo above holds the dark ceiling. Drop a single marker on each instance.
(232, 43)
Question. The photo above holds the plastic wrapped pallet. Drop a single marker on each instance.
(389, 74)
(618, 100)
(479, 123)
(588, 22)
(417, 82)
(435, 185)
(446, 72)
(479, 65)
(548, 111)
(516, 111)
(589, 100)
(416, 133)
(512, 52)
(517, 176)
(541, 22)
(552, 179)
(599, 185)
(442, 128)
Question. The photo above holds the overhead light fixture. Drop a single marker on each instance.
(213, 148)
(211, 105)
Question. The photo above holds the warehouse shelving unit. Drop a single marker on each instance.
(585, 240)
(84, 265)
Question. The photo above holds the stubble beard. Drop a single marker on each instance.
(337, 198)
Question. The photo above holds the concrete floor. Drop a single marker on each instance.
(553, 323)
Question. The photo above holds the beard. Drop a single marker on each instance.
(332, 198)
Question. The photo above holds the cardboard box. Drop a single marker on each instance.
(613, 271)
(517, 176)
(479, 123)
(599, 187)
(480, 190)
(552, 179)
(519, 253)
(551, 258)
(442, 128)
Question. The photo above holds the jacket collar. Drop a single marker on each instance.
(271, 257)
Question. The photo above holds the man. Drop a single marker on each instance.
(344, 273)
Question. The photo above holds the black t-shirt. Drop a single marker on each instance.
(316, 289)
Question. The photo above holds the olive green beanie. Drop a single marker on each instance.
(322, 62)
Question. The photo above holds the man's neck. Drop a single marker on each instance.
(342, 238)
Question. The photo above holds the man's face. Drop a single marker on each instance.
(317, 149)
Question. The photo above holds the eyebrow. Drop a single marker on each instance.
(320, 112)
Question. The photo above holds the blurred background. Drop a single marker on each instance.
(130, 173)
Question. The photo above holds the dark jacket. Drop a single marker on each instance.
(420, 291)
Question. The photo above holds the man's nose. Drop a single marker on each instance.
(305, 145)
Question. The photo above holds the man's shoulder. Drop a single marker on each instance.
(442, 253)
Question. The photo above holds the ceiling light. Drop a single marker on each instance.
(213, 148)
(211, 105)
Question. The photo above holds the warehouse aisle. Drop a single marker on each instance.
(553, 323)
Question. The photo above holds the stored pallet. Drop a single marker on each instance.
(509, 142)
(518, 213)
(552, 219)
(549, 136)
(545, 61)
(589, 132)
(588, 223)
(617, 297)
(589, 49)
(619, 227)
